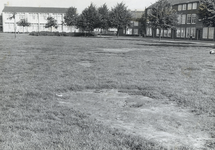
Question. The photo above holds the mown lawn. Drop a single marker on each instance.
(34, 69)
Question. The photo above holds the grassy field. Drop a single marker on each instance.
(35, 71)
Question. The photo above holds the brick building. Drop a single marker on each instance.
(36, 16)
(1, 23)
(135, 26)
(188, 23)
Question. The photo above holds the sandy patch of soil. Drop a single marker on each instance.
(156, 120)
(85, 63)
(119, 50)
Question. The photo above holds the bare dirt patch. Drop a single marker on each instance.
(85, 63)
(154, 120)
(119, 50)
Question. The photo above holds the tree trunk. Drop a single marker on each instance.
(159, 34)
(117, 32)
(23, 29)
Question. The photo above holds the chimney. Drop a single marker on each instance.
(7, 4)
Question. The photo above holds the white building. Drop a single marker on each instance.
(36, 16)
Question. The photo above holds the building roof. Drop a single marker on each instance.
(34, 9)
(175, 2)
(137, 14)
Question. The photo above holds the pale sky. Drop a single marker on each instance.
(80, 5)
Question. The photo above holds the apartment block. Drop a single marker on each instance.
(189, 25)
(36, 16)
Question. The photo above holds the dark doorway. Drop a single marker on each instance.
(198, 34)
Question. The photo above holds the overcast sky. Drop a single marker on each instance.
(79, 4)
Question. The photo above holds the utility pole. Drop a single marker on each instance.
(15, 25)
(14, 17)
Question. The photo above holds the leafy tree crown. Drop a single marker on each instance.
(71, 16)
(104, 17)
(23, 22)
(162, 15)
(89, 19)
(120, 16)
(206, 12)
(51, 22)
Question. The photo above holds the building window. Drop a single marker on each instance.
(182, 32)
(194, 5)
(21, 16)
(205, 33)
(178, 32)
(179, 19)
(45, 16)
(157, 32)
(210, 32)
(162, 32)
(33, 16)
(54, 16)
(129, 31)
(149, 11)
(193, 20)
(188, 18)
(169, 31)
(131, 24)
(9, 15)
(189, 6)
(165, 32)
(124, 31)
(193, 32)
(135, 23)
(50, 14)
(149, 31)
(41, 27)
(183, 19)
(59, 18)
(9, 26)
(188, 32)
(184, 6)
(135, 31)
(179, 7)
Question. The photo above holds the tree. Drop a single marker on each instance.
(162, 16)
(142, 22)
(104, 17)
(0, 19)
(120, 17)
(24, 23)
(206, 12)
(51, 22)
(89, 19)
(71, 16)
(82, 22)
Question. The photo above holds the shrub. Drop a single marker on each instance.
(46, 33)
(34, 33)
(85, 34)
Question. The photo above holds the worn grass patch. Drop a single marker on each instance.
(34, 69)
